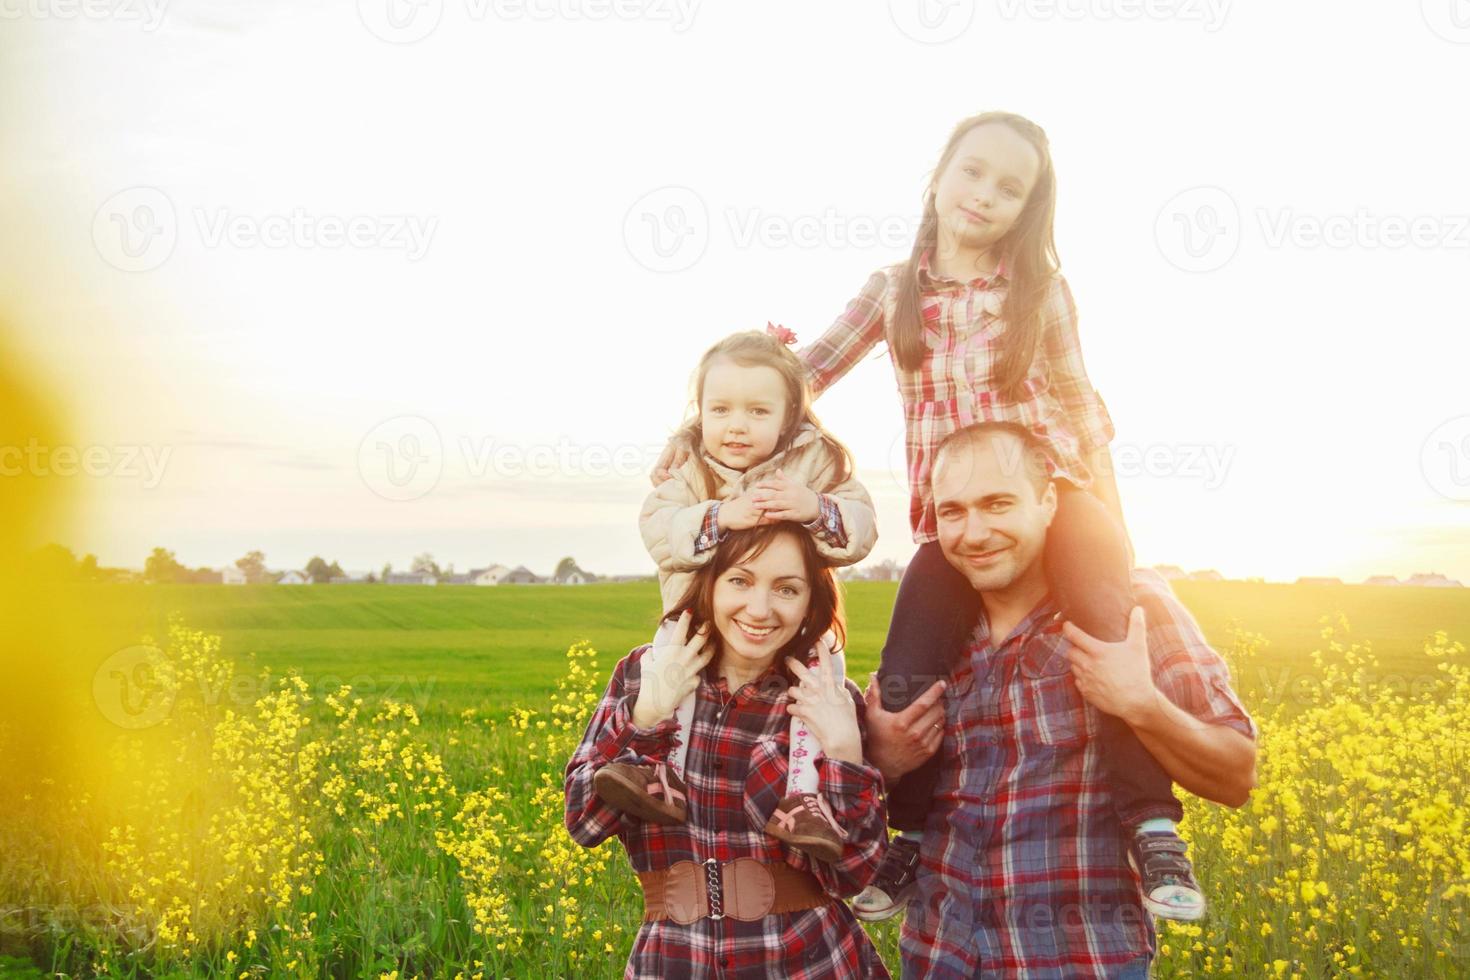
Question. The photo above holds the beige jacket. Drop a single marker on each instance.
(674, 513)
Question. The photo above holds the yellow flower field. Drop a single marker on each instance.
(302, 835)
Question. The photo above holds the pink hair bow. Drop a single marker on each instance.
(786, 337)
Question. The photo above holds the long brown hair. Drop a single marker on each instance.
(825, 612)
(1031, 261)
(752, 348)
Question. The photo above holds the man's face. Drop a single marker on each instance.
(992, 526)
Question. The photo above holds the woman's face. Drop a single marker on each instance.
(759, 603)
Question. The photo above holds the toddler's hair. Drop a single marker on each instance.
(753, 348)
(1030, 252)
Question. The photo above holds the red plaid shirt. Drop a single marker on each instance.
(1024, 867)
(736, 774)
(954, 386)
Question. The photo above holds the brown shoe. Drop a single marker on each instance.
(805, 821)
(653, 793)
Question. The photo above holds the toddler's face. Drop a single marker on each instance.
(984, 186)
(742, 413)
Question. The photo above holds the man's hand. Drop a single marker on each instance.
(739, 513)
(1209, 759)
(1115, 678)
(785, 499)
(901, 741)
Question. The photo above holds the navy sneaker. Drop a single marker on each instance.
(1169, 890)
(893, 883)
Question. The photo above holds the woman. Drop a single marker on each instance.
(722, 897)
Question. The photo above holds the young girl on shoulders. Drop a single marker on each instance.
(755, 455)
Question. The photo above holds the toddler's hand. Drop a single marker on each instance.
(739, 513)
(785, 499)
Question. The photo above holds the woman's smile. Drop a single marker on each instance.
(752, 632)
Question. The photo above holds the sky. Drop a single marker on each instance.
(369, 279)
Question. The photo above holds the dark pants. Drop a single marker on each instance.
(1087, 565)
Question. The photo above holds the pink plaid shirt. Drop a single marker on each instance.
(954, 387)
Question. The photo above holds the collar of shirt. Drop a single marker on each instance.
(1036, 638)
(769, 686)
(932, 280)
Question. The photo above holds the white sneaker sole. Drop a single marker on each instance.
(879, 913)
(1179, 913)
(1165, 910)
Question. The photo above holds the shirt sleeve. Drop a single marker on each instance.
(851, 338)
(709, 530)
(1067, 373)
(828, 526)
(854, 791)
(846, 527)
(611, 736)
(1185, 667)
(672, 522)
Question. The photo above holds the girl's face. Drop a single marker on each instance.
(742, 411)
(983, 188)
(759, 604)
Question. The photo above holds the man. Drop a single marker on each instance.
(1024, 868)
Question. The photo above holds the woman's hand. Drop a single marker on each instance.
(821, 700)
(785, 499)
(670, 672)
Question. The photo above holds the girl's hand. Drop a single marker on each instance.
(670, 672)
(675, 455)
(785, 499)
(821, 700)
(739, 513)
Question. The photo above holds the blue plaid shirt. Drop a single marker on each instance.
(1024, 867)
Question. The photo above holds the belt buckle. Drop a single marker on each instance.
(714, 889)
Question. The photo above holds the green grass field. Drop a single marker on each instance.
(447, 648)
(402, 849)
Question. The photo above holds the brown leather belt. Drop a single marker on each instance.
(745, 889)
